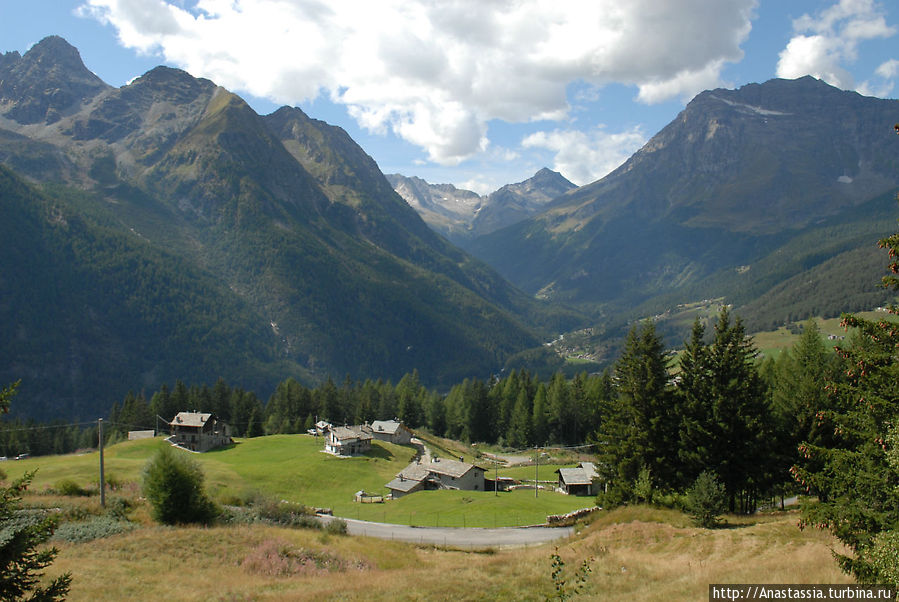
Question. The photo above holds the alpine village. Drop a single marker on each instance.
(239, 362)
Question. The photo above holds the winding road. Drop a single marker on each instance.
(471, 538)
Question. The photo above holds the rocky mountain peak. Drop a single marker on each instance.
(49, 81)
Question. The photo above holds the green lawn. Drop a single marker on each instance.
(293, 468)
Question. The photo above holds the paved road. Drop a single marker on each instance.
(457, 538)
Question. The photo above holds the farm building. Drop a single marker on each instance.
(348, 440)
(199, 432)
(438, 474)
(392, 431)
(578, 481)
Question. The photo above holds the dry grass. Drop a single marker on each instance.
(639, 554)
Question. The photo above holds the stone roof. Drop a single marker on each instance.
(404, 485)
(194, 419)
(345, 433)
(415, 472)
(386, 426)
(582, 475)
(452, 468)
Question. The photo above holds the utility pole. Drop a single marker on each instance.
(102, 478)
(537, 474)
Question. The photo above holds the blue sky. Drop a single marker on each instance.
(476, 93)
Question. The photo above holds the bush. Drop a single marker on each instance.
(96, 527)
(173, 484)
(643, 486)
(70, 488)
(705, 500)
(336, 526)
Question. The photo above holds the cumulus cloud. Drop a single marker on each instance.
(585, 157)
(823, 44)
(436, 73)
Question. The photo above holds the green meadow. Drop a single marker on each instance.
(294, 468)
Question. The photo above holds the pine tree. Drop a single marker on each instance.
(640, 428)
(858, 487)
(726, 426)
(21, 563)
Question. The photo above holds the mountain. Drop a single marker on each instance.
(445, 208)
(716, 204)
(461, 215)
(212, 241)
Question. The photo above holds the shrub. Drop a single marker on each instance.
(96, 527)
(70, 488)
(705, 500)
(643, 486)
(336, 526)
(173, 484)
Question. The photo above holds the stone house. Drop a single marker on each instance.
(199, 432)
(392, 431)
(578, 481)
(348, 440)
(438, 474)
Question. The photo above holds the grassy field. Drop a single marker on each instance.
(772, 343)
(638, 553)
(293, 468)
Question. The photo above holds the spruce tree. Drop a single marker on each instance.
(726, 427)
(21, 563)
(858, 488)
(639, 429)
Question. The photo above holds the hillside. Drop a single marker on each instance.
(317, 266)
(743, 191)
(635, 552)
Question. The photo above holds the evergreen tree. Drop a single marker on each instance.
(858, 487)
(728, 429)
(540, 418)
(520, 433)
(409, 395)
(640, 429)
(21, 561)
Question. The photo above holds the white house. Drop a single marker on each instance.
(348, 440)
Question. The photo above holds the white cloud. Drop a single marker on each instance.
(437, 73)
(825, 43)
(585, 157)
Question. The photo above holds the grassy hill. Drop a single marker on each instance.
(293, 468)
(638, 552)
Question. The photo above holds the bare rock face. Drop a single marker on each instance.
(49, 81)
(461, 215)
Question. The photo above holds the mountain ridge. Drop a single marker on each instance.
(461, 215)
(732, 178)
(333, 272)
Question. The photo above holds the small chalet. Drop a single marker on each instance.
(578, 481)
(392, 431)
(438, 474)
(199, 432)
(348, 440)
